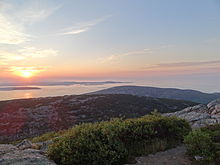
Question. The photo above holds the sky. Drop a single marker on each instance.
(171, 43)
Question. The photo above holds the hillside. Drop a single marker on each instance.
(112, 142)
(170, 93)
(24, 118)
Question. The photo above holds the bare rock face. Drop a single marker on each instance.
(200, 115)
(216, 110)
(5, 148)
(11, 155)
(213, 103)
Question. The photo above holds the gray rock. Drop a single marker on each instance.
(198, 157)
(205, 122)
(11, 155)
(200, 115)
(198, 108)
(215, 110)
(213, 103)
(44, 145)
(5, 148)
(201, 108)
(24, 144)
(215, 117)
(195, 116)
(197, 125)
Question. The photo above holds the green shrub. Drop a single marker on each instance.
(199, 143)
(116, 141)
(204, 142)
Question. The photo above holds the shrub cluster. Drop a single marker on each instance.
(116, 141)
(204, 142)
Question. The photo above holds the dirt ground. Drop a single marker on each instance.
(175, 156)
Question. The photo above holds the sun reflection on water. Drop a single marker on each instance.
(28, 95)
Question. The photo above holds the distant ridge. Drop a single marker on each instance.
(60, 83)
(169, 93)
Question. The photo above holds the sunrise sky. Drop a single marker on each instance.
(171, 42)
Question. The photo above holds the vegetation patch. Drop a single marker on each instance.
(117, 141)
(205, 143)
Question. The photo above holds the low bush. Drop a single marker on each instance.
(116, 141)
(47, 136)
(204, 142)
(199, 143)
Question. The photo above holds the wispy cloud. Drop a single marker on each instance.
(9, 56)
(184, 65)
(4, 5)
(11, 33)
(26, 53)
(36, 12)
(115, 57)
(37, 53)
(76, 31)
(17, 63)
(14, 20)
(82, 26)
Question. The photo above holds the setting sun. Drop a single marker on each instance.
(26, 72)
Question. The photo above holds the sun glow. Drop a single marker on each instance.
(26, 72)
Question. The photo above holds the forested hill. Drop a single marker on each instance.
(170, 93)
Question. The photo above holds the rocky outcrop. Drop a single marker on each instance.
(22, 154)
(200, 115)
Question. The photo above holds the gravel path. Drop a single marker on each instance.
(175, 156)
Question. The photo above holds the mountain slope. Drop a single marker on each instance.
(24, 118)
(170, 93)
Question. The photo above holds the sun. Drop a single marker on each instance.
(26, 73)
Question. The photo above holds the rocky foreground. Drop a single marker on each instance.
(26, 153)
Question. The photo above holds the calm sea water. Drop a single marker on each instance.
(54, 91)
(81, 89)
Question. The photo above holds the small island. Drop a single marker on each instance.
(19, 88)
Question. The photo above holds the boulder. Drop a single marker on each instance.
(24, 144)
(215, 110)
(213, 103)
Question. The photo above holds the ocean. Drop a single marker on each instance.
(46, 91)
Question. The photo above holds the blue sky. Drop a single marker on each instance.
(157, 42)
